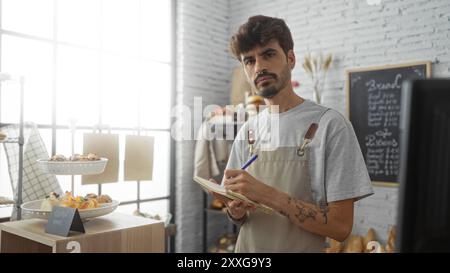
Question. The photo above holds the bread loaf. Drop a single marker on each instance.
(390, 246)
(354, 244)
(335, 246)
(369, 237)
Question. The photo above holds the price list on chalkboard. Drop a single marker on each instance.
(374, 110)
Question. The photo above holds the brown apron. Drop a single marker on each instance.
(287, 169)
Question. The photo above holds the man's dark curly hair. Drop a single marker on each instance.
(259, 31)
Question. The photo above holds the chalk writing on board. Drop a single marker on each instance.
(383, 112)
(374, 110)
(382, 153)
(373, 85)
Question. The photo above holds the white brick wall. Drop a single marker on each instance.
(203, 71)
(358, 35)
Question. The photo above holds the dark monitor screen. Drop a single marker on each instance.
(424, 197)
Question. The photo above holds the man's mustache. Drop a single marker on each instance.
(264, 74)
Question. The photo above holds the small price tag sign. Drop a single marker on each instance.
(62, 220)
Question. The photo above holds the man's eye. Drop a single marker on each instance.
(270, 54)
(249, 62)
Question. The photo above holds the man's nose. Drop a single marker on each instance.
(260, 66)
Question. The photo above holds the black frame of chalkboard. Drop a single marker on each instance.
(348, 73)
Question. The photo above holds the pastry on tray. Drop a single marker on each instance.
(90, 201)
(76, 157)
(2, 136)
(78, 202)
(88, 157)
(58, 158)
(5, 201)
(104, 198)
(50, 201)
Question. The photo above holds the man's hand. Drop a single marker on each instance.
(237, 208)
(242, 182)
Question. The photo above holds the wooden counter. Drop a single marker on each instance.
(114, 232)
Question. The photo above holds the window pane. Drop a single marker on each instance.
(161, 172)
(120, 91)
(84, 189)
(77, 86)
(64, 141)
(156, 30)
(155, 95)
(32, 59)
(122, 191)
(28, 16)
(65, 181)
(10, 101)
(160, 207)
(69, 26)
(127, 209)
(46, 135)
(120, 26)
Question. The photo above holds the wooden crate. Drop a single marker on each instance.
(114, 232)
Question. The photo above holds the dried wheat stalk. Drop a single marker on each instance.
(317, 67)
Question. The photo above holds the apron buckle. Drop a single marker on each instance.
(251, 141)
(301, 149)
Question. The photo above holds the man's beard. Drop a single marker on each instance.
(273, 89)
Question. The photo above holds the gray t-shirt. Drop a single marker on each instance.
(335, 155)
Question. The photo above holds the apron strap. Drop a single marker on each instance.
(301, 151)
(310, 133)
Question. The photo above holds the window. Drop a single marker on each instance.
(100, 62)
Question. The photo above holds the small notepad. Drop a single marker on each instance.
(219, 189)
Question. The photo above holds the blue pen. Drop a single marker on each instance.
(250, 161)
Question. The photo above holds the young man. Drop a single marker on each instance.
(314, 170)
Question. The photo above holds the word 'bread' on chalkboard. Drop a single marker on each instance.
(62, 220)
(374, 102)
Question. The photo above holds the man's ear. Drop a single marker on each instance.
(291, 59)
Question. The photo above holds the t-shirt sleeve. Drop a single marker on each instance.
(346, 173)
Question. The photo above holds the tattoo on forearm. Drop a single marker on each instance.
(303, 212)
(285, 213)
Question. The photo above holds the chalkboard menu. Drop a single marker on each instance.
(374, 101)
